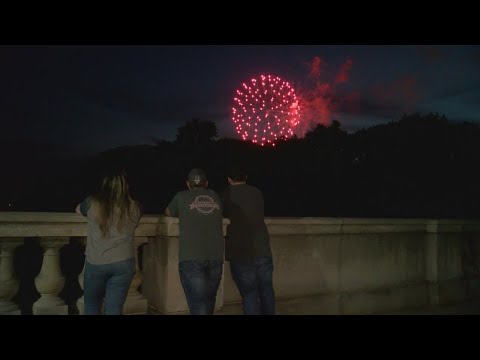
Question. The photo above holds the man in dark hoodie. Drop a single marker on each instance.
(247, 244)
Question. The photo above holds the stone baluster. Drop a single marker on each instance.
(50, 281)
(81, 301)
(9, 283)
(136, 302)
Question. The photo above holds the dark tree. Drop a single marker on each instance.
(197, 132)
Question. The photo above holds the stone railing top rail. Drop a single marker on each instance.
(33, 224)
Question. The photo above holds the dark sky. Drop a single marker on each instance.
(98, 97)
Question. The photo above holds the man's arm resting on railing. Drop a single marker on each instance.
(172, 208)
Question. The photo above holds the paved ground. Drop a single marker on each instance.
(470, 308)
(312, 306)
(308, 306)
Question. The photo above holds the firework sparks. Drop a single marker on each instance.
(265, 110)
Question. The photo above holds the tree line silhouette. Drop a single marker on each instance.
(422, 166)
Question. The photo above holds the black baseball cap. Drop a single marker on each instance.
(197, 176)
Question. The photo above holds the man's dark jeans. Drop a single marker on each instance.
(254, 281)
(200, 281)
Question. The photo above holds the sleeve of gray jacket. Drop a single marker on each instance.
(85, 205)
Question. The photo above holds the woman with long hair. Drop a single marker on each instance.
(110, 259)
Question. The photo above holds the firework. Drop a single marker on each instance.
(265, 110)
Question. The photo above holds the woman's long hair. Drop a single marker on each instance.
(113, 202)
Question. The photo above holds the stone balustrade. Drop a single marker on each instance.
(52, 231)
(349, 266)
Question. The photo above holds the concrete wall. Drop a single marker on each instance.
(346, 266)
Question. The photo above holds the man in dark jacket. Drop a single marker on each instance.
(247, 244)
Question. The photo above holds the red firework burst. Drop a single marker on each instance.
(265, 110)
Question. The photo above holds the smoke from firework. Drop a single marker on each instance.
(318, 98)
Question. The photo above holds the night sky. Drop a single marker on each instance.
(93, 98)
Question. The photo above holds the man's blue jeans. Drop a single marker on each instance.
(200, 281)
(254, 280)
(109, 282)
